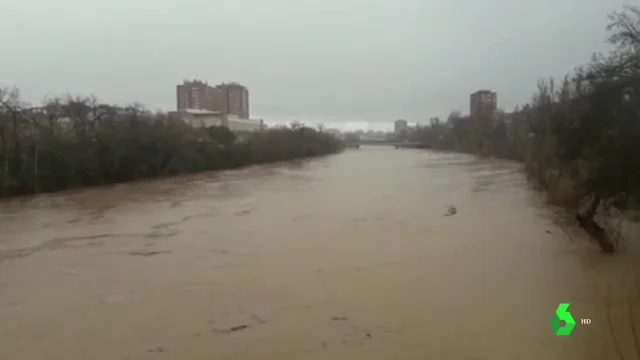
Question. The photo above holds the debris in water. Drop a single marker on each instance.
(238, 328)
(339, 318)
(231, 329)
(451, 211)
(149, 253)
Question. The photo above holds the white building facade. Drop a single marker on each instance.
(205, 118)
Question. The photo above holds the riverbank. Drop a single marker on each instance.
(559, 186)
(578, 139)
(609, 222)
(77, 145)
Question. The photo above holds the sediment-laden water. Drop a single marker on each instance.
(354, 256)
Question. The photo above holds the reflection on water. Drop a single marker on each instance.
(344, 257)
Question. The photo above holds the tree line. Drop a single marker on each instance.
(579, 139)
(79, 142)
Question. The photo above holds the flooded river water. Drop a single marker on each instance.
(345, 257)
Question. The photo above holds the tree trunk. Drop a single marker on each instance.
(36, 177)
(595, 231)
(4, 187)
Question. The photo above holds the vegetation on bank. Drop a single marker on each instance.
(79, 142)
(579, 140)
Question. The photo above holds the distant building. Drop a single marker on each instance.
(400, 126)
(198, 117)
(236, 99)
(237, 124)
(229, 98)
(206, 118)
(197, 95)
(483, 103)
(334, 132)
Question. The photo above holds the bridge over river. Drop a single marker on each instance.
(344, 257)
(396, 144)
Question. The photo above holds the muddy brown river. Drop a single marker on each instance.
(350, 256)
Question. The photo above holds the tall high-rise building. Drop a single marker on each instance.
(197, 94)
(483, 103)
(228, 98)
(236, 99)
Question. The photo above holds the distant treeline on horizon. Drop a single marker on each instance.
(342, 126)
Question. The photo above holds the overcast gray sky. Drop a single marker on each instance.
(348, 60)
